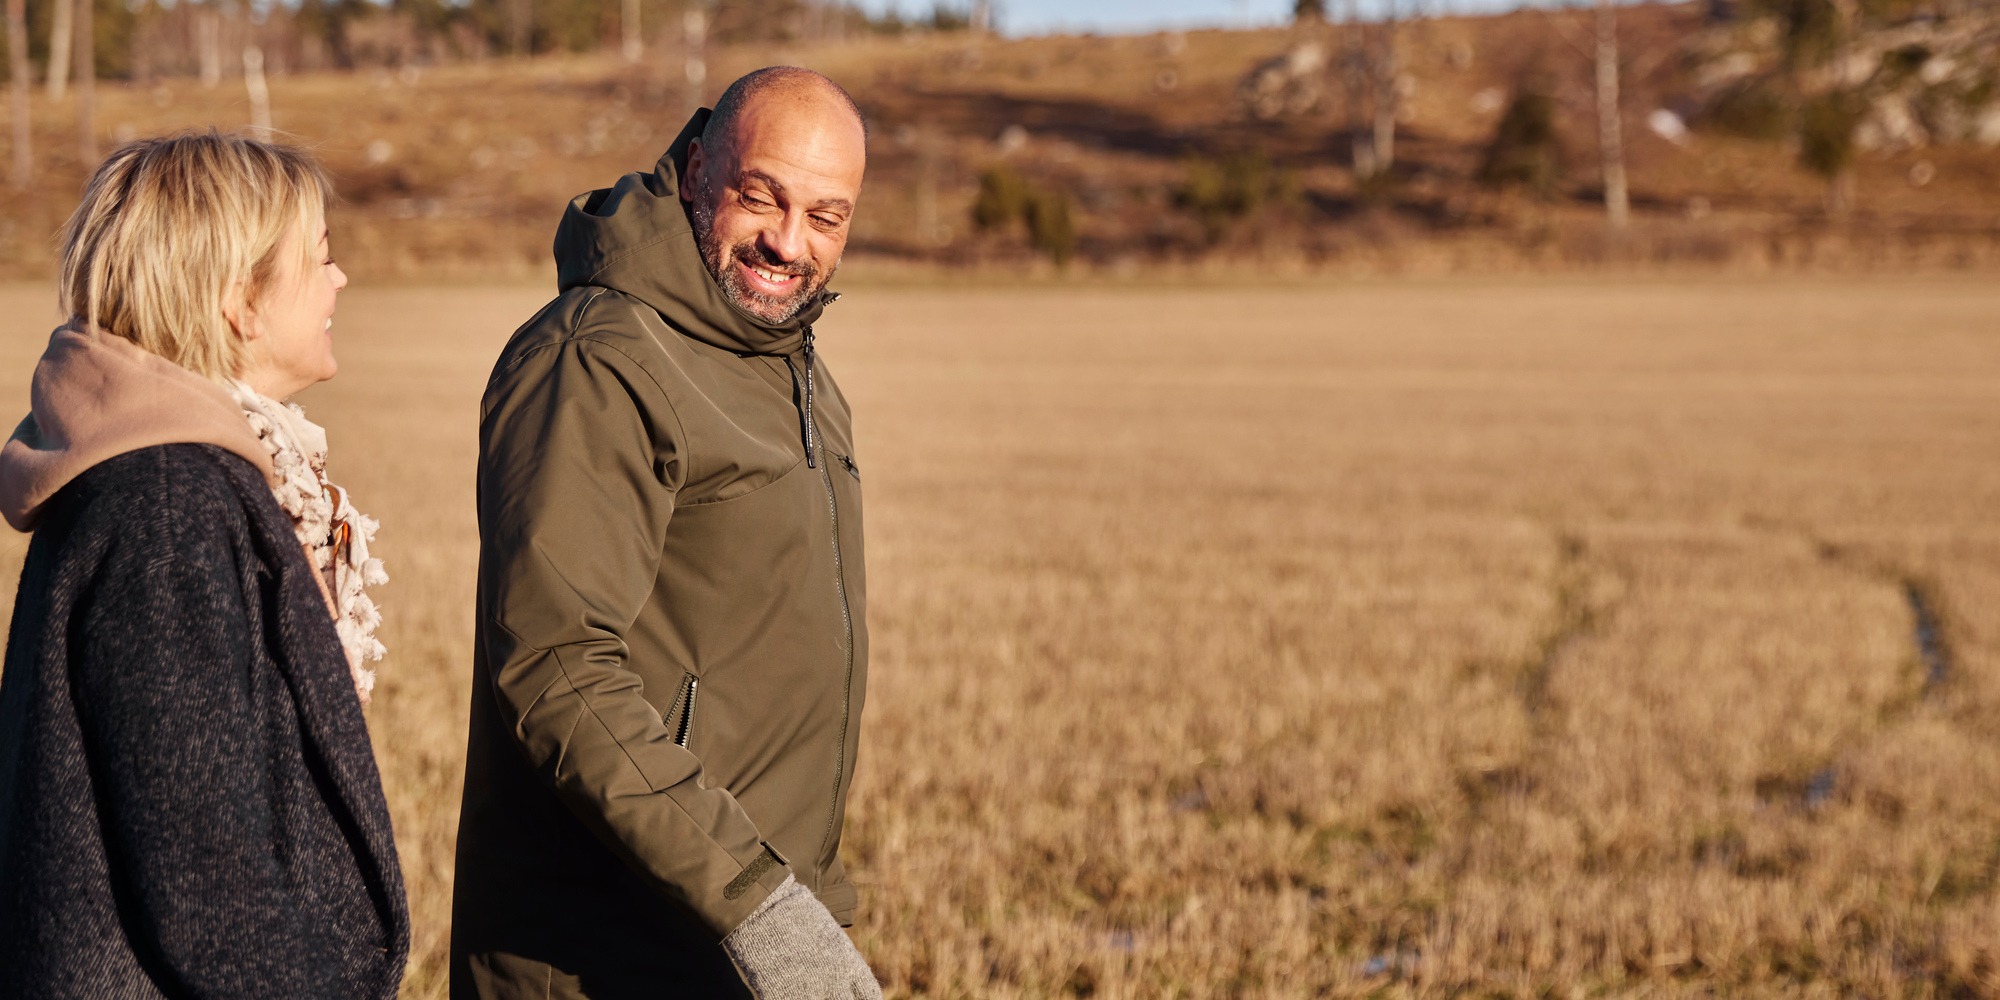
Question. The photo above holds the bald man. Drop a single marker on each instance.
(671, 640)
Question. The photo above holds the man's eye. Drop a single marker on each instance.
(827, 221)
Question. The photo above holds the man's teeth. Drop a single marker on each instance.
(772, 276)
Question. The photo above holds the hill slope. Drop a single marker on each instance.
(464, 168)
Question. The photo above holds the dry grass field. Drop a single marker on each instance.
(1549, 639)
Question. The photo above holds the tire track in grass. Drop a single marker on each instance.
(1575, 615)
(1933, 642)
(1811, 789)
(1930, 638)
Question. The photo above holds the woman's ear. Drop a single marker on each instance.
(240, 310)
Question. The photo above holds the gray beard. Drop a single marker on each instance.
(717, 257)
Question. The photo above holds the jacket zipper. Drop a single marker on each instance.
(686, 726)
(840, 588)
(811, 432)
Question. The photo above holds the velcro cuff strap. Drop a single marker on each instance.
(751, 873)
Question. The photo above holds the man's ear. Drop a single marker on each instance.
(691, 177)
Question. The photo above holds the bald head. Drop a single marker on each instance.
(792, 83)
(771, 186)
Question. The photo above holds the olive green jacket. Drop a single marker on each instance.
(671, 651)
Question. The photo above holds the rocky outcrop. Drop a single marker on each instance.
(1926, 81)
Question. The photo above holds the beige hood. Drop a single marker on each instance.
(96, 396)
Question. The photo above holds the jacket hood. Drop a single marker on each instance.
(635, 237)
(96, 396)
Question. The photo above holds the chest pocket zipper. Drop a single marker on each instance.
(680, 718)
(847, 462)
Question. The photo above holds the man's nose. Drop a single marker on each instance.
(786, 241)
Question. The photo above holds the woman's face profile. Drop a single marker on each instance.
(290, 328)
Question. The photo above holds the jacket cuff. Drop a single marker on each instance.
(754, 884)
(840, 899)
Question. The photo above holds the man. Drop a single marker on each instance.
(671, 653)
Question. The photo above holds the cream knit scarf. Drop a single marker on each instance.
(334, 535)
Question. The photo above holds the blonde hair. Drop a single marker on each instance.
(176, 232)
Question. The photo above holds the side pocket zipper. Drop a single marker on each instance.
(847, 462)
(683, 710)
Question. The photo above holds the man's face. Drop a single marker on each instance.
(772, 201)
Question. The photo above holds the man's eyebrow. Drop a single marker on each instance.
(779, 189)
(758, 175)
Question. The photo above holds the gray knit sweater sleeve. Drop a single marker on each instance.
(791, 948)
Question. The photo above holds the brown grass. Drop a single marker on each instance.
(1417, 638)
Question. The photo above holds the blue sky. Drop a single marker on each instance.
(1034, 17)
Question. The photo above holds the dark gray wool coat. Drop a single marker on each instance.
(189, 806)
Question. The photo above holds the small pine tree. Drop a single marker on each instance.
(1051, 229)
(1526, 148)
(1826, 144)
(1218, 192)
(1003, 197)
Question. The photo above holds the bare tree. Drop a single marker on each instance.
(1369, 73)
(208, 42)
(520, 27)
(694, 28)
(17, 61)
(1354, 84)
(1610, 124)
(634, 44)
(635, 41)
(930, 231)
(1601, 48)
(60, 42)
(1388, 95)
(259, 91)
(86, 83)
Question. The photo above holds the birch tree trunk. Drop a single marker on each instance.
(634, 45)
(17, 61)
(694, 28)
(208, 43)
(1388, 99)
(929, 231)
(258, 90)
(86, 84)
(1354, 78)
(60, 44)
(1610, 125)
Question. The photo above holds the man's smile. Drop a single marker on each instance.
(768, 282)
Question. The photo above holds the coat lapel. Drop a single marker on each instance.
(330, 719)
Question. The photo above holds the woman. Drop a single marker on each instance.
(188, 802)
